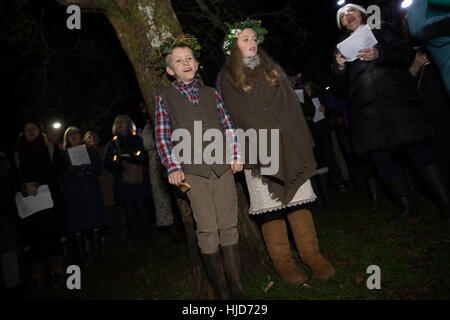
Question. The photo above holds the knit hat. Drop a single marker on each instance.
(344, 8)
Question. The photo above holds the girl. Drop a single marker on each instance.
(258, 95)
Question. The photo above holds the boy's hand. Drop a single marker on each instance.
(176, 178)
(236, 166)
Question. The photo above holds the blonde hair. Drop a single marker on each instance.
(130, 124)
(236, 67)
(88, 134)
(66, 142)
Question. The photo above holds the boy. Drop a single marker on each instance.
(212, 194)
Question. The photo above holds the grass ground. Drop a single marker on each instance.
(414, 260)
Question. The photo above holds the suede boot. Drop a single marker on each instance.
(304, 233)
(232, 267)
(214, 269)
(277, 243)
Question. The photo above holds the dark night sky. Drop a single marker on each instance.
(89, 79)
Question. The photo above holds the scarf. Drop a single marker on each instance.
(251, 62)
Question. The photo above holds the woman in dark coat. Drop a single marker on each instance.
(386, 110)
(83, 196)
(40, 164)
(126, 158)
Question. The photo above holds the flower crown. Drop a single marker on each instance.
(182, 40)
(235, 29)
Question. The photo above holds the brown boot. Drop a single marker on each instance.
(304, 232)
(277, 243)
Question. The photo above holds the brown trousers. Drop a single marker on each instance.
(214, 206)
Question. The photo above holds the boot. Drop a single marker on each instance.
(232, 268)
(214, 269)
(435, 181)
(375, 194)
(315, 185)
(65, 247)
(304, 232)
(96, 243)
(324, 185)
(277, 243)
(79, 238)
(400, 189)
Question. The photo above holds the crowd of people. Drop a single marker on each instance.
(86, 200)
(378, 126)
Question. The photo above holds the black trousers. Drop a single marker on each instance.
(389, 167)
(324, 152)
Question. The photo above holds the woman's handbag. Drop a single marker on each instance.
(132, 173)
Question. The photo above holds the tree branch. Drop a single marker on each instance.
(211, 16)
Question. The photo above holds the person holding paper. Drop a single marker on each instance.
(328, 168)
(386, 110)
(83, 197)
(40, 164)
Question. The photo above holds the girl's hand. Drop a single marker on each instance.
(368, 54)
(236, 167)
(340, 61)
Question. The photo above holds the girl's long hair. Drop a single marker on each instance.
(241, 77)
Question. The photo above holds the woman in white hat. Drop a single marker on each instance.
(386, 110)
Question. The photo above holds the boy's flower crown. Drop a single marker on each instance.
(172, 42)
(235, 29)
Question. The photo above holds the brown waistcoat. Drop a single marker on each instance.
(182, 114)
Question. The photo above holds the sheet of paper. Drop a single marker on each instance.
(26, 206)
(318, 115)
(79, 155)
(362, 38)
(301, 95)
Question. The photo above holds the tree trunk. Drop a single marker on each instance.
(141, 26)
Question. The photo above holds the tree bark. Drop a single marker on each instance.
(141, 27)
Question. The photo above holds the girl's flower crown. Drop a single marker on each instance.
(235, 29)
(181, 40)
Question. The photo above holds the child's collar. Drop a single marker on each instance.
(194, 83)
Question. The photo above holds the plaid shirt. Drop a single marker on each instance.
(163, 131)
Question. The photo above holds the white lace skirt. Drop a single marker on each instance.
(261, 200)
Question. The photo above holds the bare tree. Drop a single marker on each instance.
(141, 26)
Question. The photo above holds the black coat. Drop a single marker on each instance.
(8, 211)
(128, 144)
(83, 195)
(385, 106)
(36, 165)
